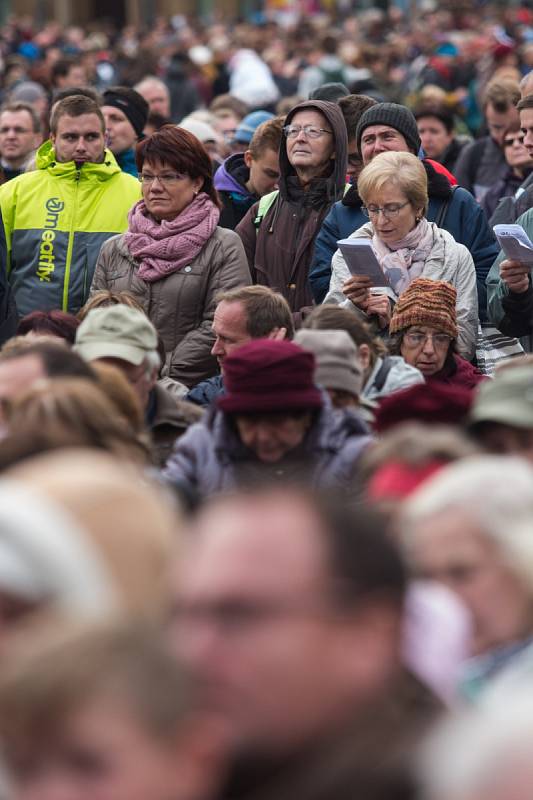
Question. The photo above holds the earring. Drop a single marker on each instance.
(196, 192)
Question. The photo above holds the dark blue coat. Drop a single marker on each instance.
(464, 219)
(8, 309)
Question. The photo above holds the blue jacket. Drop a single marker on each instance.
(464, 219)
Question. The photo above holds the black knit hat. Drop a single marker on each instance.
(130, 102)
(395, 116)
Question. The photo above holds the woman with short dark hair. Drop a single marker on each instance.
(174, 258)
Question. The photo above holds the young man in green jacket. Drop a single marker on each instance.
(57, 217)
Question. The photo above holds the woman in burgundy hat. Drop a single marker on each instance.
(272, 423)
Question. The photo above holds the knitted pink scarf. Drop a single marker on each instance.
(165, 247)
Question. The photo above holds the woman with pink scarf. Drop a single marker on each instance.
(174, 259)
(393, 187)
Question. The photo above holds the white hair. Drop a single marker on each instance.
(474, 747)
(493, 492)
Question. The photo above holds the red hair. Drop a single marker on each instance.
(180, 150)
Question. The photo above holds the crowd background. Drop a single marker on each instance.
(254, 545)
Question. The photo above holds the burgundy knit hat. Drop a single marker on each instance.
(267, 375)
(426, 302)
(430, 403)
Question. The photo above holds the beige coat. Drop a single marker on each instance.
(181, 306)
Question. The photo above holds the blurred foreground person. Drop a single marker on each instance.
(271, 424)
(104, 714)
(469, 527)
(484, 753)
(82, 537)
(288, 610)
(501, 418)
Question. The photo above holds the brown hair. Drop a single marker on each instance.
(525, 102)
(75, 106)
(105, 297)
(182, 151)
(502, 94)
(117, 388)
(335, 318)
(264, 308)
(226, 102)
(51, 323)
(267, 136)
(79, 407)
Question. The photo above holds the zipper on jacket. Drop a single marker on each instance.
(70, 245)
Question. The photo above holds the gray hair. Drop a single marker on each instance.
(494, 492)
(151, 80)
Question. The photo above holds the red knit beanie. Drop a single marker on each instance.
(267, 375)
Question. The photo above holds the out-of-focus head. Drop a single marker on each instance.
(68, 73)
(49, 323)
(469, 528)
(125, 112)
(78, 413)
(124, 337)
(131, 525)
(173, 167)
(332, 317)
(353, 106)
(24, 361)
(427, 403)
(20, 132)
(424, 325)
(104, 712)
(251, 312)
(287, 611)
(156, 94)
(501, 418)
(207, 134)
(499, 104)
(337, 365)
(106, 297)
(435, 127)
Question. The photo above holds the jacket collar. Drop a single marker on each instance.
(46, 160)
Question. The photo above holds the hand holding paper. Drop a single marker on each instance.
(515, 243)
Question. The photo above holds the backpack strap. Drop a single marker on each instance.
(443, 210)
(265, 204)
(383, 373)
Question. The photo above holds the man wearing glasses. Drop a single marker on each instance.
(279, 232)
(382, 128)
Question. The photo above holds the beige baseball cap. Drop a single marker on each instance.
(116, 332)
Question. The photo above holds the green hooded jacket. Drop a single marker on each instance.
(56, 218)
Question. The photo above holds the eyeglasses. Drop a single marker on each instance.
(165, 179)
(441, 341)
(390, 210)
(292, 131)
(512, 139)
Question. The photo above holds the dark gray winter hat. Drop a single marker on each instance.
(395, 116)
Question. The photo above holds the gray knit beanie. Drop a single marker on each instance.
(396, 116)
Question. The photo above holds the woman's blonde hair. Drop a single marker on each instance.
(404, 170)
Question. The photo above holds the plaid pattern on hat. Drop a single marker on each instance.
(426, 302)
(395, 116)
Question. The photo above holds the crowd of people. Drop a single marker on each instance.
(266, 506)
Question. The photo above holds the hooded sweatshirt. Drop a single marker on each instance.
(280, 245)
(230, 182)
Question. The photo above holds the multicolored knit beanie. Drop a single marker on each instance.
(426, 302)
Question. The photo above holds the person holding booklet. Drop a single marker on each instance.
(393, 187)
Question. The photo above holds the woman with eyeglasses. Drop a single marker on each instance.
(520, 166)
(393, 187)
(424, 332)
(174, 259)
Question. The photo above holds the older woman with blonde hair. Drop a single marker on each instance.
(393, 188)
